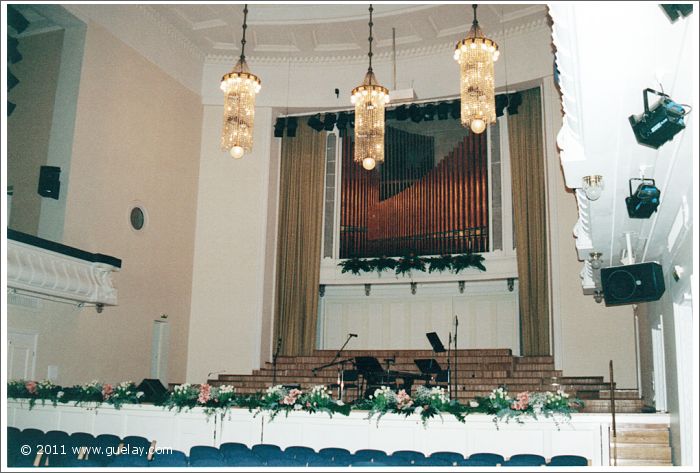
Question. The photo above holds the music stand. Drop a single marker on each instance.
(428, 365)
(435, 342)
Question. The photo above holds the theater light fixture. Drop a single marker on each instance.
(660, 123)
(476, 54)
(593, 186)
(644, 201)
(240, 87)
(369, 99)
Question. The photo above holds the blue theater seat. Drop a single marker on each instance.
(300, 453)
(230, 449)
(568, 460)
(204, 452)
(332, 452)
(409, 456)
(525, 459)
(136, 444)
(284, 462)
(244, 460)
(171, 458)
(492, 459)
(453, 457)
(266, 450)
(207, 462)
(369, 454)
(127, 460)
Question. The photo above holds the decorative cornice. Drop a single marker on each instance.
(361, 58)
(40, 271)
(172, 32)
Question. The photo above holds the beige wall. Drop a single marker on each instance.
(29, 126)
(136, 138)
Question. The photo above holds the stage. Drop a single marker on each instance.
(585, 434)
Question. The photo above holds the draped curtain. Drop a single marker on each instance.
(299, 239)
(529, 213)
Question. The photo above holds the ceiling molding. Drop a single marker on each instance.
(405, 53)
(172, 32)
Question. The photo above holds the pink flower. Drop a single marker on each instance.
(31, 386)
(522, 401)
(204, 394)
(107, 391)
(403, 399)
(291, 398)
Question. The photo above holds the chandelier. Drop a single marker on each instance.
(240, 87)
(476, 54)
(369, 99)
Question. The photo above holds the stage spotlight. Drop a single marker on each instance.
(429, 111)
(674, 10)
(342, 123)
(329, 121)
(315, 122)
(279, 127)
(456, 109)
(514, 101)
(443, 109)
(291, 127)
(645, 199)
(401, 113)
(659, 124)
(416, 113)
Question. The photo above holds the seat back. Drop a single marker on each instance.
(128, 460)
(299, 453)
(173, 458)
(201, 452)
(136, 445)
(230, 449)
(266, 450)
(491, 458)
(453, 457)
(369, 454)
(332, 452)
(568, 460)
(525, 459)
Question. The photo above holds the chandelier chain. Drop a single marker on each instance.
(370, 37)
(475, 22)
(245, 25)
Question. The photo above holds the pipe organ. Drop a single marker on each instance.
(411, 205)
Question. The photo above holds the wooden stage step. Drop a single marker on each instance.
(479, 371)
(641, 445)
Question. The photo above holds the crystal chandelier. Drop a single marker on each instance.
(240, 87)
(476, 54)
(369, 99)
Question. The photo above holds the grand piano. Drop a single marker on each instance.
(374, 375)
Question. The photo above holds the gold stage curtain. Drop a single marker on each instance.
(299, 239)
(530, 219)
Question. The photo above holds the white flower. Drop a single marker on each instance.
(492, 396)
(473, 404)
(139, 394)
(60, 394)
(340, 403)
(418, 409)
(297, 407)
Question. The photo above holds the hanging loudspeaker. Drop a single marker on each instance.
(632, 283)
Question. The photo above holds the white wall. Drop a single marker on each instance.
(392, 318)
(228, 277)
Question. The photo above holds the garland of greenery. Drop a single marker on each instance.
(427, 402)
(412, 262)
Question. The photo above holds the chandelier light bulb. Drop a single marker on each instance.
(237, 152)
(368, 163)
(478, 125)
(593, 186)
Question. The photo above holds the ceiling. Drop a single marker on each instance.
(309, 30)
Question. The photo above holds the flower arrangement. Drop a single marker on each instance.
(526, 404)
(281, 399)
(122, 393)
(427, 402)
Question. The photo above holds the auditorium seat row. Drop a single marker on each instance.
(81, 449)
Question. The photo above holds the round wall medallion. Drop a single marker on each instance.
(137, 217)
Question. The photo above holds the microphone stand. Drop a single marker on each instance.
(274, 361)
(340, 366)
(455, 355)
(449, 370)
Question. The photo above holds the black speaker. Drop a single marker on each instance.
(632, 283)
(153, 390)
(49, 183)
